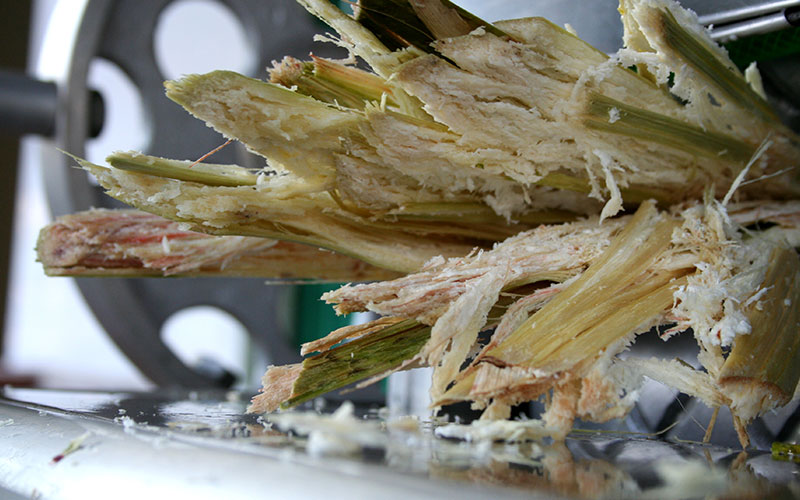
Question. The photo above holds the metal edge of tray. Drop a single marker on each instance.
(125, 462)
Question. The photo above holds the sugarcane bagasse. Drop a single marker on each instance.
(505, 177)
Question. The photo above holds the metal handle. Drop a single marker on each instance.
(751, 20)
(30, 106)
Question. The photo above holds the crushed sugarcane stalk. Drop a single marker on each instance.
(131, 243)
(616, 297)
(510, 177)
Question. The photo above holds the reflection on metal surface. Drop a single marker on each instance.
(202, 443)
(754, 19)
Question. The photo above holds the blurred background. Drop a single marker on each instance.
(51, 337)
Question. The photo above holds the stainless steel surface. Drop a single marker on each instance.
(750, 11)
(756, 26)
(200, 445)
(754, 19)
(182, 446)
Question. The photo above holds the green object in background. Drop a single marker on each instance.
(786, 451)
(764, 47)
(344, 6)
(313, 317)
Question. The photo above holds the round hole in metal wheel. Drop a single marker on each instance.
(198, 36)
(211, 341)
(126, 125)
